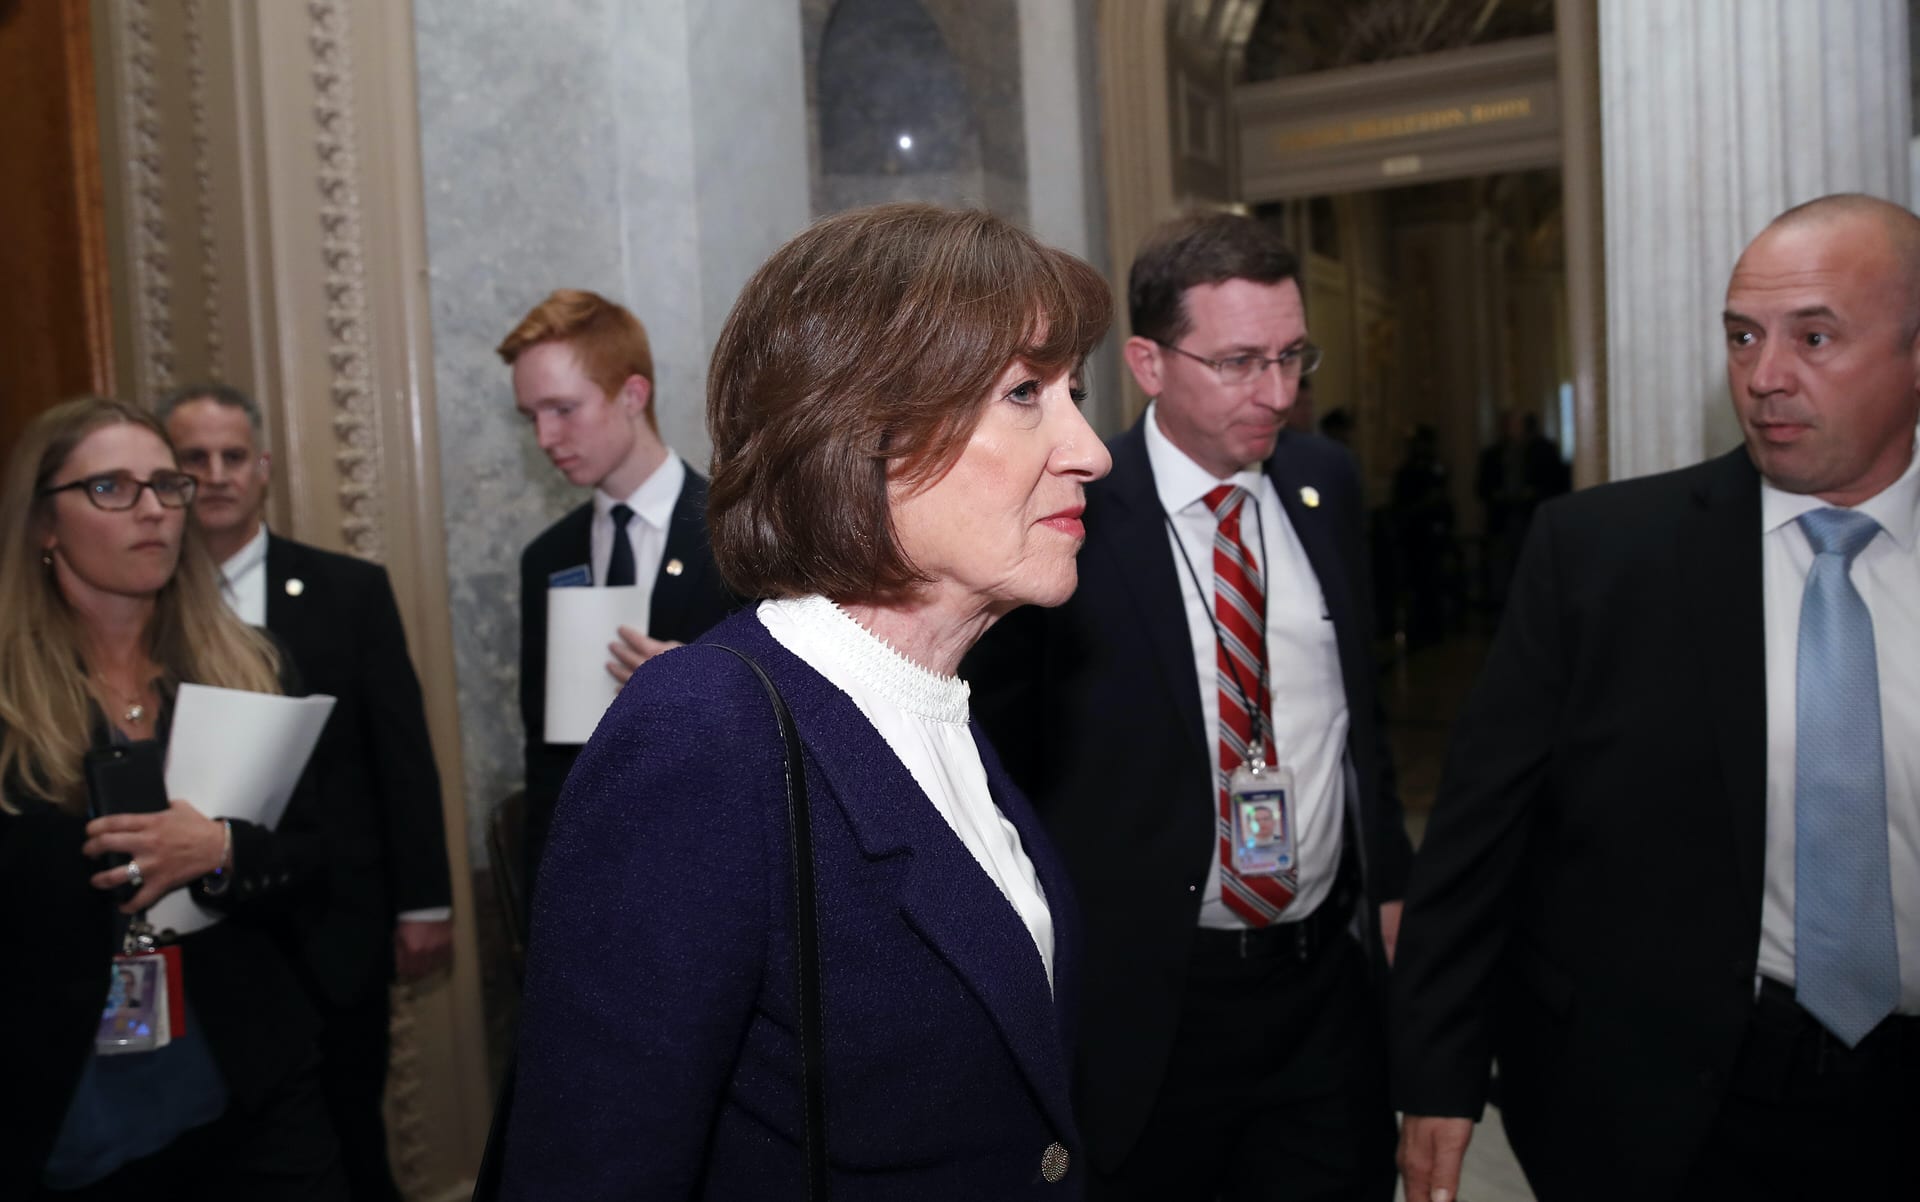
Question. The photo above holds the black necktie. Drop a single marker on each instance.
(620, 563)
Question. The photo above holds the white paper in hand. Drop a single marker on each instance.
(580, 624)
(234, 754)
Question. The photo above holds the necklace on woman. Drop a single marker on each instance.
(135, 701)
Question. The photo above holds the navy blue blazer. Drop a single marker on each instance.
(658, 1054)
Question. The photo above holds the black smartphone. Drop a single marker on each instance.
(126, 779)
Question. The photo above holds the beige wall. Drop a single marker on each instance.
(264, 218)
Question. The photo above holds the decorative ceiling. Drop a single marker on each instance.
(1292, 37)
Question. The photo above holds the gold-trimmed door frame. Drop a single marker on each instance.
(1136, 66)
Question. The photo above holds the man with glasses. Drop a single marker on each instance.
(388, 907)
(1198, 727)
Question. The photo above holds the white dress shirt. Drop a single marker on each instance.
(244, 585)
(1309, 695)
(652, 504)
(244, 579)
(1887, 575)
(923, 718)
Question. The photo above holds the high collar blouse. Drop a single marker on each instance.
(923, 717)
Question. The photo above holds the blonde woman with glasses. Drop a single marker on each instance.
(108, 602)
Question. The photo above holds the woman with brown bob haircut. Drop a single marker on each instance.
(899, 460)
(109, 602)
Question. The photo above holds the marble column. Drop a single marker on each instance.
(1716, 115)
(1066, 203)
(652, 150)
(1136, 141)
(750, 159)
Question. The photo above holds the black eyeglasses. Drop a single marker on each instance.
(120, 490)
(1294, 362)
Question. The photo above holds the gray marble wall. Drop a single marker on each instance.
(657, 151)
(1001, 99)
(652, 150)
(1066, 193)
(943, 74)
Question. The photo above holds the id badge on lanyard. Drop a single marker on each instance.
(145, 1007)
(1260, 800)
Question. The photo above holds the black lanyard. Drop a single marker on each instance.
(1262, 725)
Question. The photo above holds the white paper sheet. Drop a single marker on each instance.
(234, 754)
(580, 624)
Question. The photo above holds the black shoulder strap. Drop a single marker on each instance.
(807, 922)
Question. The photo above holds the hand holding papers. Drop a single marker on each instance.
(235, 755)
(633, 649)
(580, 624)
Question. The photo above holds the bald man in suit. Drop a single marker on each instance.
(1672, 881)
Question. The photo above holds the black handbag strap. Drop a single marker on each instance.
(807, 923)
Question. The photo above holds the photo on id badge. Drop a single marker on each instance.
(131, 1018)
(1262, 834)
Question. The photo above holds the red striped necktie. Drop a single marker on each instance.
(1239, 603)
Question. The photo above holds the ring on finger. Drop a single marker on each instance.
(134, 875)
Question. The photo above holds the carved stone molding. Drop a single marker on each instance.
(152, 292)
(195, 16)
(407, 1129)
(264, 212)
(342, 251)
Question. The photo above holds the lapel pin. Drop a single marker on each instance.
(1311, 496)
(296, 586)
(675, 567)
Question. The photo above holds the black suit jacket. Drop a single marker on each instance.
(1095, 707)
(683, 606)
(1586, 905)
(377, 794)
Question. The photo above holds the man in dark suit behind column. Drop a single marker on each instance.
(583, 379)
(1672, 879)
(1233, 1044)
(387, 911)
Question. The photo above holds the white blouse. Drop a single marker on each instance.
(923, 718)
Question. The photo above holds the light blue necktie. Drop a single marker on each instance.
(1846, 959)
